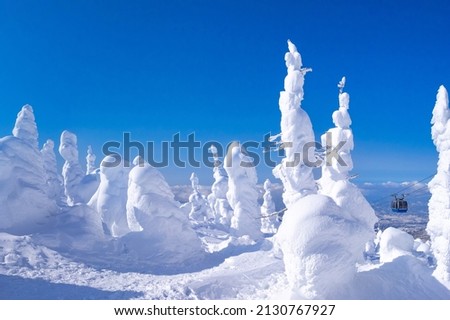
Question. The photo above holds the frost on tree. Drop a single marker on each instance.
(339, 139)
(439, 205)
(24, 194)
(156, 219)
(72, 172)
(90, 161)
(336, 169)
(269, 218)
(296, 131)
(78, 187)
(53, 178)
(242, 194)
(217, 199)
(110, 199)
(25, 128)
(200, 210)
(315, 236)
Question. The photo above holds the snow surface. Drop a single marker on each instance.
(32, 271)
(395, 243)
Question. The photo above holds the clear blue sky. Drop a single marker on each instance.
(155, 68)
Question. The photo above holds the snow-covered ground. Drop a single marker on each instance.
(31, 271)
(236, 270)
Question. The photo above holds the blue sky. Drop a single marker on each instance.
(155, 68)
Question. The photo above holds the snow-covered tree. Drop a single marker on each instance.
(110, 199)
(242, 193)
(335, 173)
(72, 172)
(200, 210)
(269, 222)
(339, 138)
(156, 219)
(439, 205)
(25, 128)
(90, 161)
(315, 236)
(24, 198)
(296, 132)
(217, 199)
(78, 187)
(53, 178)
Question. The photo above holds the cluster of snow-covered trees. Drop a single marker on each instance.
(327, 226)
(132, 203)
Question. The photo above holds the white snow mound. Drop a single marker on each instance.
(395, 243)
(320, 251)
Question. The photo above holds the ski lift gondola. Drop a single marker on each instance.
(399, 204)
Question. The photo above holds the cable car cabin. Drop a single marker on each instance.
(399, 205)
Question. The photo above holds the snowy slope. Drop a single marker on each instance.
(31, 271)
